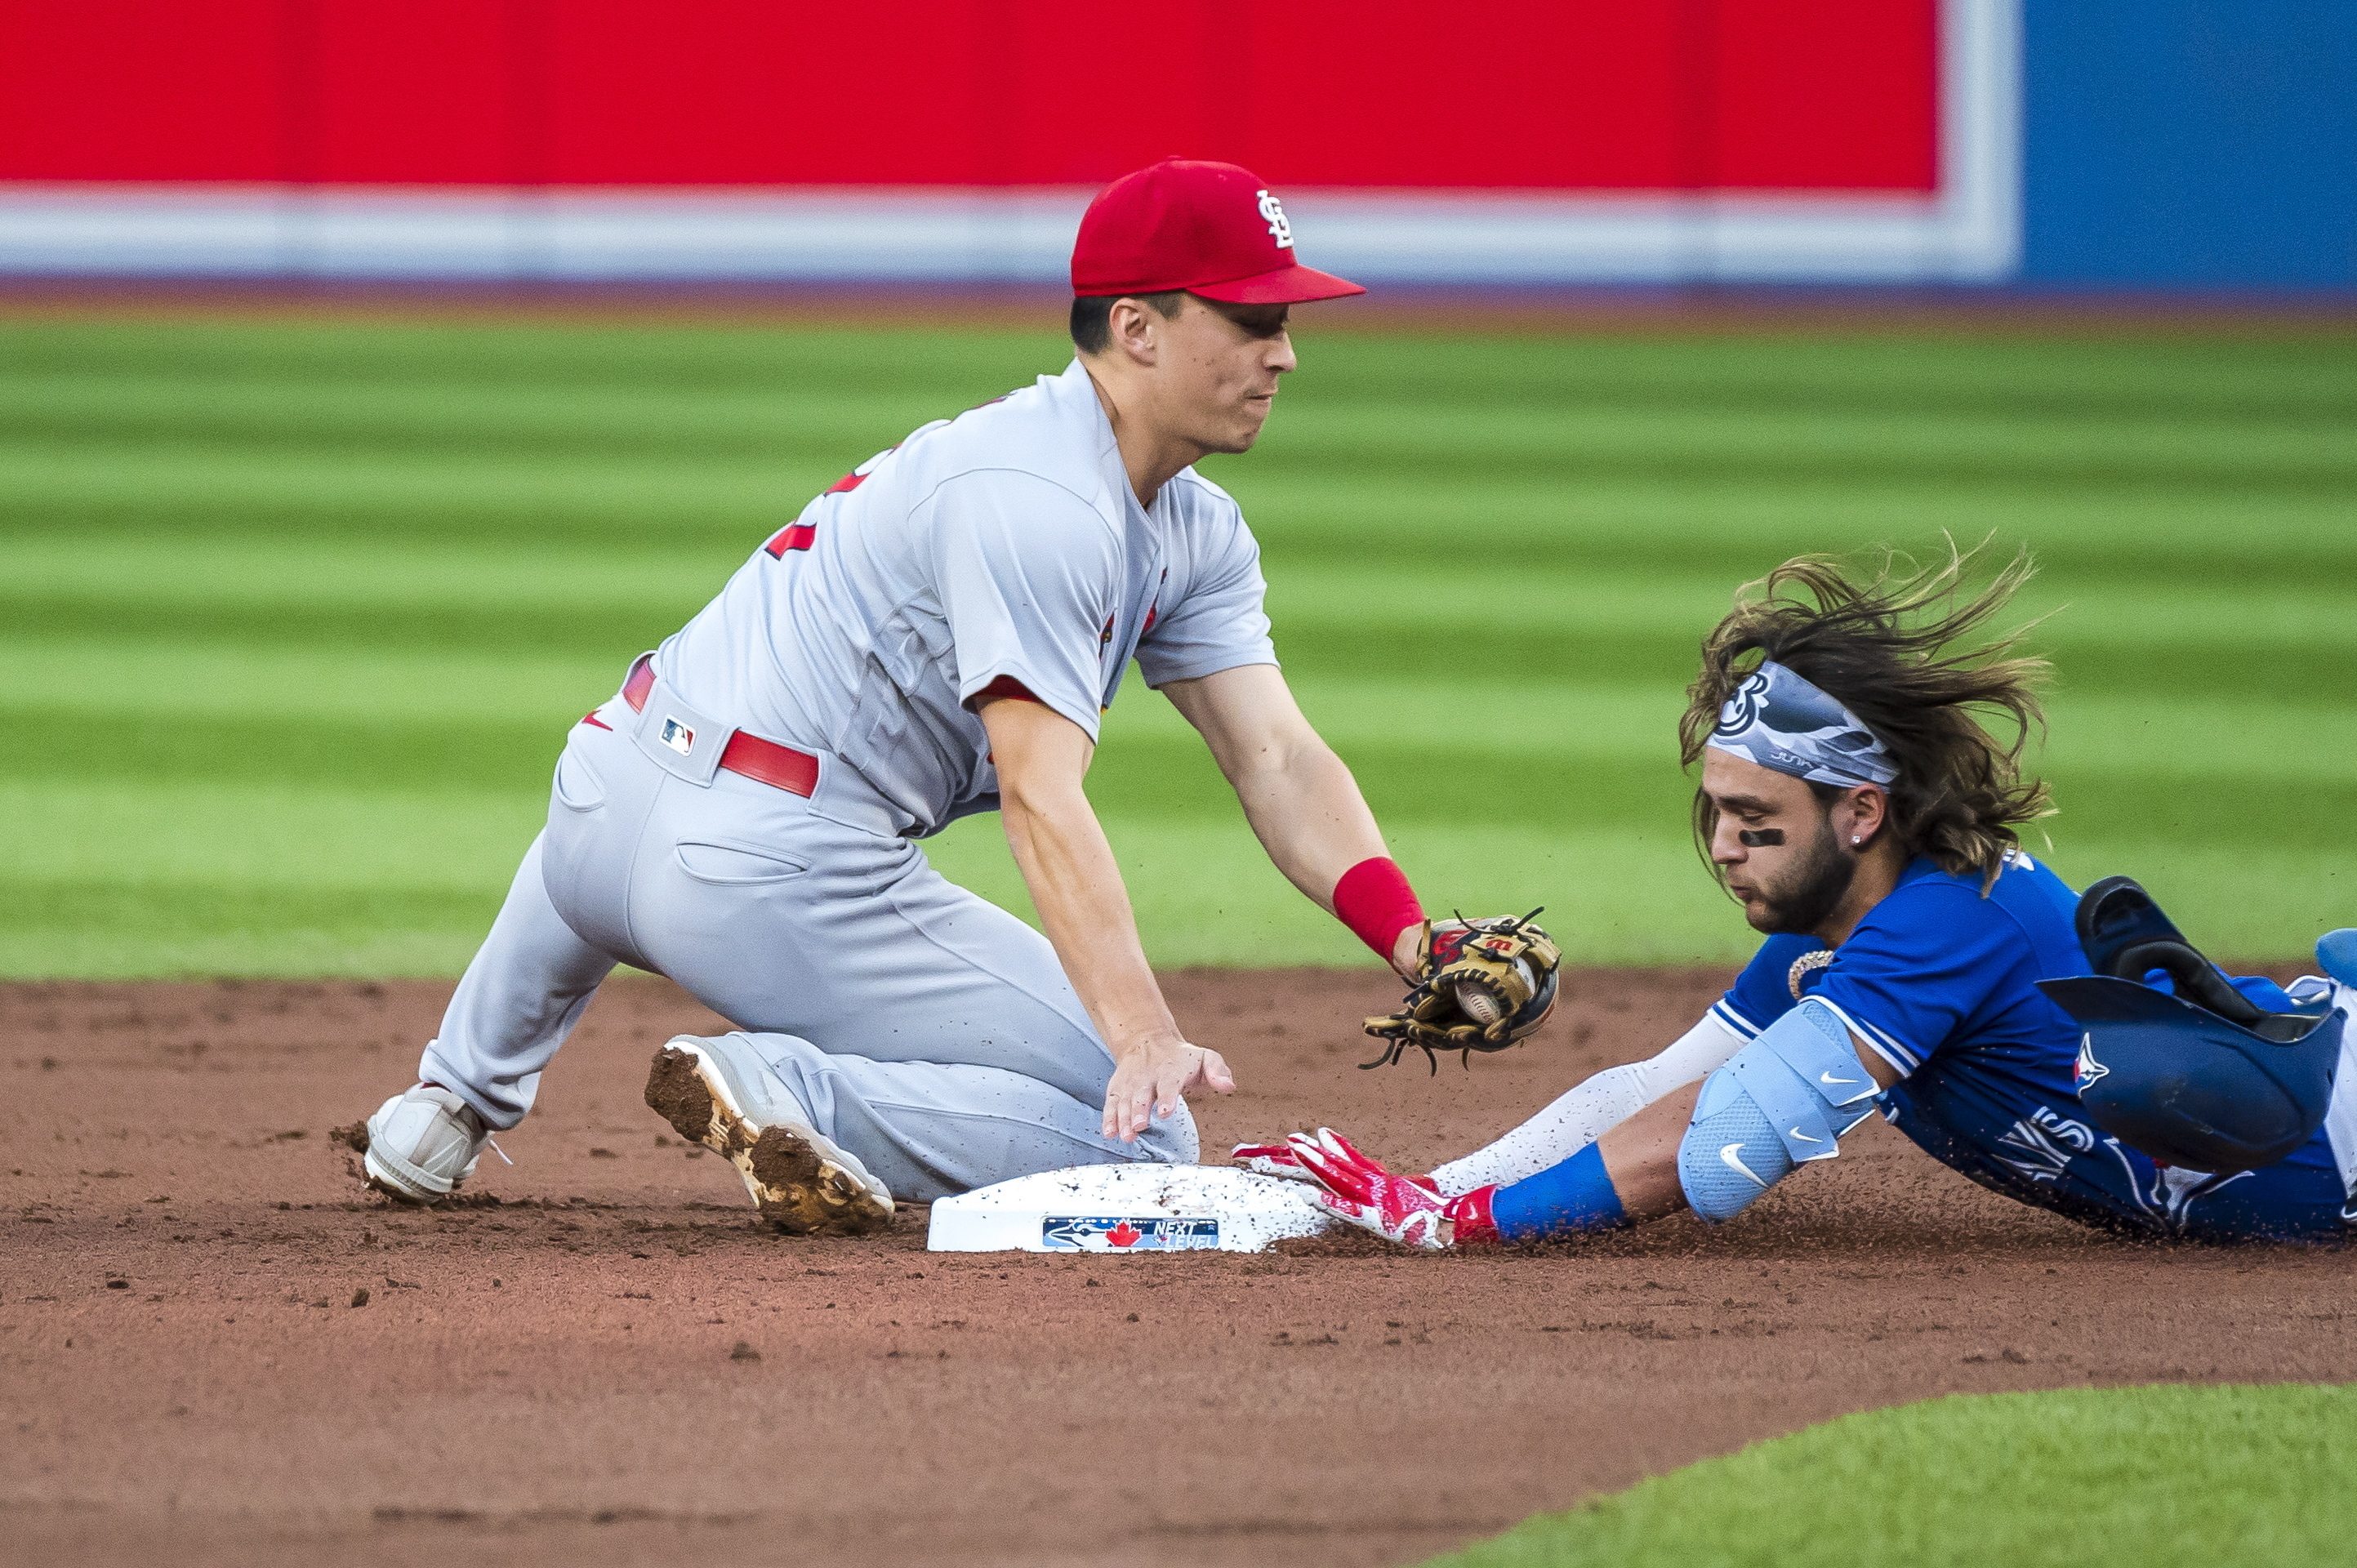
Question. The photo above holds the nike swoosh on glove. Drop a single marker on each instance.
(1404, 1209)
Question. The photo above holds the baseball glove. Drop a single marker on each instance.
(1481, 986)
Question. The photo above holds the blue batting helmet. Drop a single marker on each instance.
(2204, 1077)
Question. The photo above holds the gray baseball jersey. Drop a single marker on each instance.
(928, 1031)
(1005, 544)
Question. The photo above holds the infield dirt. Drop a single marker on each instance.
(217, 1348)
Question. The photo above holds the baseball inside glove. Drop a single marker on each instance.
(1481, 986)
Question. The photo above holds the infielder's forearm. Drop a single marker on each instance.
(1299, 797)
(1584, 1113)
(1306, 811)
(1068, 867)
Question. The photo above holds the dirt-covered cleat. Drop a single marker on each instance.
(423, 1144)
(719, 1094)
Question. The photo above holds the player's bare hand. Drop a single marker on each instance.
(1151, 1079)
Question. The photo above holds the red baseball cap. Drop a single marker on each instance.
(1210, 229)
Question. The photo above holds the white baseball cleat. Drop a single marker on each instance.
(423, 1144)
(719, 1094)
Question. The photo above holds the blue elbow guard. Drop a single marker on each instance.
(1783, 1100)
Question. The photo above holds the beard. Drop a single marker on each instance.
(1808, 894)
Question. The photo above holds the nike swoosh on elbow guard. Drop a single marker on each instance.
(1728, 1154)
(1828, 1078)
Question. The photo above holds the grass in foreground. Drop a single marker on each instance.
(295, 618)
(2083, 1478)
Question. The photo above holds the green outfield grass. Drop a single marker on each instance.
(2226, 1477)
(293, 619)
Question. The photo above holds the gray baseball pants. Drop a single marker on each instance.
(926, 1030)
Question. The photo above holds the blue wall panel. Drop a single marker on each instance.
(2191, 144)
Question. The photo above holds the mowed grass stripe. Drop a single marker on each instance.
(1310, 591)
(2156, 538)
(277, 833)
(2151, 374)
(1439, 710)
(2164, 371)
(2099, 1477)
(309, 682)
(329, 356)
(147, 482)
(1204, 893)
(1604, 625)
(1136, 778)
(513, 421)
(98, 929)
(1321, 441)
(2131, 537)
(313, 607)
(2279, 661)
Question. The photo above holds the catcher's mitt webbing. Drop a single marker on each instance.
(1481, 986)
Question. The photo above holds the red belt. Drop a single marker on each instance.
(781, 767)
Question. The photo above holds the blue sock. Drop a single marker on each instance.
(1574, 1195)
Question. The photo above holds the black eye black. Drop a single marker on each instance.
(1760, 838)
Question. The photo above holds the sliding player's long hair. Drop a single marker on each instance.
(1881, 648)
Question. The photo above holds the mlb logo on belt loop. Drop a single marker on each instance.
(677, 736)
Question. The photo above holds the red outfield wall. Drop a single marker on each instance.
(1575, 95)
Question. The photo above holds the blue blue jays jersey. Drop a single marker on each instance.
(1940, 982)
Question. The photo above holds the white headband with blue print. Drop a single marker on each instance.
(1781, 722)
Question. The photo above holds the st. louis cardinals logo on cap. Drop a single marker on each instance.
(1274, 210)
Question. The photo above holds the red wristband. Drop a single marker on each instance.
(1374, 900)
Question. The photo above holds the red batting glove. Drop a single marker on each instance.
(1276, 1160)
(1406, 1209)
(1272, 1160)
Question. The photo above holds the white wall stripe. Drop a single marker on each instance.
(1968, 231)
